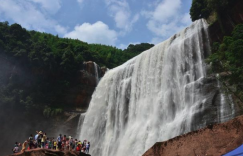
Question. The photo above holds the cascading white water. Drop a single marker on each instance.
(226, 110)
(80, 122)
(222, 106)
(96, 73)
(152, 97)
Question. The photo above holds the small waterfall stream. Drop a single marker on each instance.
(80, 122)
(96, 73)
(226, 108)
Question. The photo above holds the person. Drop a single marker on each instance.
(78, 148)
(70, 142)
(50, 145)
(64, 138)
(40, 136)
(87, 148)
(54, 145)
(16, 148)
(63, 145)
(84, 146)
(24, 145)
(83, 149)
(72, 145)
(80, 143)
(47, 145)
(43, 141)
(36, 136)
(59, 141)
(75, 144)
(84, 143)
(35, 144)
(16, 144)
(67, 144)
(31, 144)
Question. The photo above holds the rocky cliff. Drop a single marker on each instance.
(213, 140)
(86, 79)
(232, 16)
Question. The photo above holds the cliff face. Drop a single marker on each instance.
(214, 140)
(232, 16)
(86, 80)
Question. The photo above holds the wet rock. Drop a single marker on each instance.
(86, 80)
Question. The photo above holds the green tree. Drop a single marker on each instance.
(199, 9)
(47, 66)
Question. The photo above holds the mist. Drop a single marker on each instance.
(16, 124)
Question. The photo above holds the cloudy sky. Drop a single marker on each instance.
(111, 22)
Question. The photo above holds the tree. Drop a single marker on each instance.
(48, 65)
(199, 9)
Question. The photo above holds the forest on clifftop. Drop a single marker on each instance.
(46, 66)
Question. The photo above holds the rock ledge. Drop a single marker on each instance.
(46, 152)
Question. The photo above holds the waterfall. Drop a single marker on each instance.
(96, 73)
(80, 122)
(226, 108)
(152, 97)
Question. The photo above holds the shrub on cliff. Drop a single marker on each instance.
(228, 56)
(203, 8)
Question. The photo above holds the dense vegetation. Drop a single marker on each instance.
(43, 66)
(228, 57)
(205, 8)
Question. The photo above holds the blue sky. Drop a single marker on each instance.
(111, 22)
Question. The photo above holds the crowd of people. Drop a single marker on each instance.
(40, 140)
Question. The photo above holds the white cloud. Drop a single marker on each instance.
(166, 19)
(98, 32)
(80, 1)
(166, 9)
(60, 29)
(29, 16)
(164, 29)
(122, 15)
